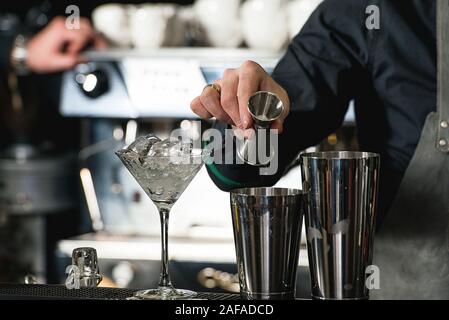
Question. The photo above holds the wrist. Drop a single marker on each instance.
(19, 55)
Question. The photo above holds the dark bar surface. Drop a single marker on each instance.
(59, 292)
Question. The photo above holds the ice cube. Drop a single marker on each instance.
(143, 144)
(165, 148)
(158, 191)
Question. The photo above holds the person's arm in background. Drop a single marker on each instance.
(53, 49)
(320, 72)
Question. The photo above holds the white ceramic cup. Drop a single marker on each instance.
(155, 25)
(112, 21)
(220, 21)
(264, 24)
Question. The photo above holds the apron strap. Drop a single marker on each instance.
(443, 74)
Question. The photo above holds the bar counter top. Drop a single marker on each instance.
(58, 292)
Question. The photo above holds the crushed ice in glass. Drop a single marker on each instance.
(163, 168)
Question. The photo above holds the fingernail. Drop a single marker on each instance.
(245, 124)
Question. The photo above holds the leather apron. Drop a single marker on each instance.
(412, 247)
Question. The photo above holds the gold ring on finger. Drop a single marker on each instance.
(214, 86)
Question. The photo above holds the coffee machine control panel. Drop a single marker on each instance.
(150, 84)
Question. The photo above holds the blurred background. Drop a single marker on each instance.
(62, 187)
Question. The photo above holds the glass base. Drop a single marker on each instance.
(164, 293)
(246, 295)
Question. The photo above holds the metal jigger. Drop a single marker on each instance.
(265, 108)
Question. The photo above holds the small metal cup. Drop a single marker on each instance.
(267, 231)
(87, 262)
(340, 221)
(265, 108)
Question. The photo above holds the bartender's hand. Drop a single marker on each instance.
(237, 86)
(57, 48)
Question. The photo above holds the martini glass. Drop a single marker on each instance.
(164, 179)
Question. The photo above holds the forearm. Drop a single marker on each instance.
(228, 171)
(302, 129)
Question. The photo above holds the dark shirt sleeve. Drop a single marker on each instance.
(320, 72)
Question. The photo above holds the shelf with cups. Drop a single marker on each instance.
(260, 24)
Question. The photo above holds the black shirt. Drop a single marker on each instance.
(389, 72)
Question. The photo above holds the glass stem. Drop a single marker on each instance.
(164, 281)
